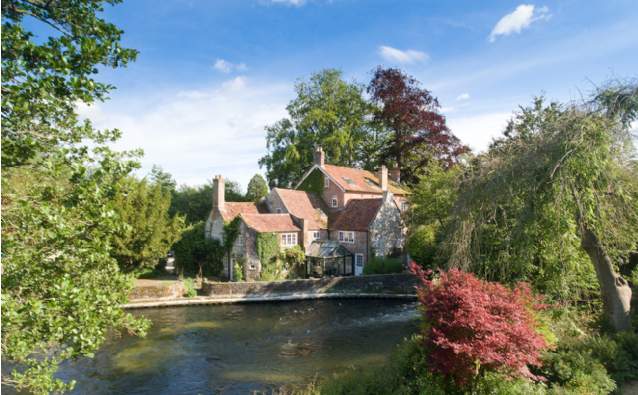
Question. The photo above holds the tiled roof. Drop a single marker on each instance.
(357, 215)
(358, 180)
(304, 205)
(270, 222)
(233, 209)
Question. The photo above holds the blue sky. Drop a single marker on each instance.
(211, 74)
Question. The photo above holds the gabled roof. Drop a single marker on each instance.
(351, 179)
(357, 215)
(304, 205)
(233, 209)
(270, 222)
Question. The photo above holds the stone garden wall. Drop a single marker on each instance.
(390, 284)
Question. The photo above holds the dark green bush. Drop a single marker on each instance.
(379, 265)
(194, 254)
(422, 244)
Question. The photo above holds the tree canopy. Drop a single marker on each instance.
(327, 111)
(257, 188)
(61, 287)
(555, 195)
(416, 132)
(149, 231)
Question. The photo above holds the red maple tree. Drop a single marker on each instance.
(475, 325)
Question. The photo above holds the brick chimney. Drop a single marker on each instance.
(218, 193)
(395, 174)
(319, 157)
(383, 178)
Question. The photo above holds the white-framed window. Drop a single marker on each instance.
(288, 239)
(405, 206)
(334, 202)
(346, 237)
(316, 235)
(326, 182)
(358, 259)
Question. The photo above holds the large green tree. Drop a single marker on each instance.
(257, 188)
(61, 288)
(555, 201)
(149, 231)
(196, 202)
(327, 111)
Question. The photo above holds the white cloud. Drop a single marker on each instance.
(400, 56)
(226, 67)
(463, 97)
(295, 3)
(196, 134)
(478, 131)
(522, 17)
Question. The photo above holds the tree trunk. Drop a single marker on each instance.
(615, 291)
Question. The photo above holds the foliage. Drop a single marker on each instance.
(195, 203)
(327, 111)
(162, 178)
(267, 248)
(189, 288)
(422, 245)
(61, 288)
(149, 232)
(417, 132)
(313, 183)
(560, 180)
(257, 188)
(384, 265)
(294, 260)
(476, 326)
(44, 79)
(195, 254)
(238, 270)
(434, 195)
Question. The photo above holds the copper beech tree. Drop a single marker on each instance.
(416, 130)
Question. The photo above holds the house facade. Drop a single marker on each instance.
(340, 216)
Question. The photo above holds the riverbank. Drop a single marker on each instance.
(167, 294)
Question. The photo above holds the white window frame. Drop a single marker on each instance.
(334, 202)
(346, 236)
(326, 182)
(405, 206)
(288, 239)
(316, 235)
(356, 258)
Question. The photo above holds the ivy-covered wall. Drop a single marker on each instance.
(313, 183)
(267, 247)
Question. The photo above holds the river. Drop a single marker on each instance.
(240, 348)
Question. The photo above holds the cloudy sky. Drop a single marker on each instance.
(211, 74)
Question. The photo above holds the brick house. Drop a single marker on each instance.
(341, 217)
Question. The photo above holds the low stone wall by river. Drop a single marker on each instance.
(390, 284)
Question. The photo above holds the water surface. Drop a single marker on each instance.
(237, 349)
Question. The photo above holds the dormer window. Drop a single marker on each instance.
(334, 202)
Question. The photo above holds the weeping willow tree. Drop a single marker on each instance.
(555, 202)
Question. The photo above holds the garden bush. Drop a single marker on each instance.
(474, 327)
(189, 288)
(380, 265)
(195, 254)
(422, 244)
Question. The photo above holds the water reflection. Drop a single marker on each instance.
(236, 349)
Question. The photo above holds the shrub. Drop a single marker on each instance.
(379, 265)
(421, 245)
(195, 254)
(474, 327)
(238, 271)
(294, 260)
(189, 288)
